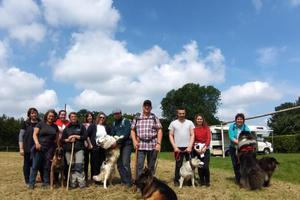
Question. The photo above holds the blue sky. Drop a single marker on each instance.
(101, 54)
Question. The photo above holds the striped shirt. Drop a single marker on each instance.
(146, 130)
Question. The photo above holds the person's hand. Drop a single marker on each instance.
(157, 147)
(22, 152)
(189, 149)
(203, 149)
(90, 146)
(38, 146)
(235, 141)
(176, 150)
(136, 144)
(114, 145)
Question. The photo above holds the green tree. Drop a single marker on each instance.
(195, 99)
(286, 122)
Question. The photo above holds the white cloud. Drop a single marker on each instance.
(257, 4)
(110, 75)
(294, 3)
(239, 98)
(3, 54)
(93, 14)
(269, 55)
(20, 19)
(20, 90)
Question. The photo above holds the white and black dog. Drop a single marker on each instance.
(187, 170)
(107, 169)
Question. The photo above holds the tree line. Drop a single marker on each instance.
(193, 97)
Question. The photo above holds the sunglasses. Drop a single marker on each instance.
(101, 117)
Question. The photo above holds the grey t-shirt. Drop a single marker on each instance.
(181, 132)
(47, 134)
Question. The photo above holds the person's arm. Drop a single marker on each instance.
(159, 139)
(133, 135)
(36, 131)
(208, 136)
(21, 145)
(231, 133)
(171, 138)
(192, 139)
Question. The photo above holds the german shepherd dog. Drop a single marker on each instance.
(154, 189)
(252, 176)
(268, 164)
(57, 166)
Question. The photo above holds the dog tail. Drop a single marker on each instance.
(256, 179)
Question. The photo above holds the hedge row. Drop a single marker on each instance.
(286, 143)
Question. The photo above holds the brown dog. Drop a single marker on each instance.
(57, 166)
(154, 189)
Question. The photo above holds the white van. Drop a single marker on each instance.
(216, 139)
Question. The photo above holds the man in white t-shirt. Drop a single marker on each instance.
(181, 136)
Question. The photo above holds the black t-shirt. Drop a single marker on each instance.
(28, 142)
(47, 134)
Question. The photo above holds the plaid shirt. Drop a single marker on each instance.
(146, 131)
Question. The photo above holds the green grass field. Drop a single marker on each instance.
(288, 170)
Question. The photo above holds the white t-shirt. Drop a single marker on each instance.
(182, 132)
(100, 131)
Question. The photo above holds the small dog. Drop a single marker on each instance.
(154, 189)
(268, 164)
(57, 166)
(107, 169)
(187, 170)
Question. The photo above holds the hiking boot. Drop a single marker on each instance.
(207, 184)
(176, 183)
(45, 186)
(30, 187)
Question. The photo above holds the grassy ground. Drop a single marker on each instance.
(222, 185)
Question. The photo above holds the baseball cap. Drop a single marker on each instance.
(116, 110)
(147, 103)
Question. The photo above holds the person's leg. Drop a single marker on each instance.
(235, 164)
(206, 160)
(151, 160)
(126, 164)
(79, 168)
(72, 179)
(95, 162)
(86, 163)
(120, 165)
(36, 160)
(26, 167)
(178, 164)
(47, 156)
(140, 162)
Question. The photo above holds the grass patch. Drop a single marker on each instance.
(288, 169)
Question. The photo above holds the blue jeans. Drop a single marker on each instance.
(124, 164)
(41, 160)
(235, 164)
(151, 158)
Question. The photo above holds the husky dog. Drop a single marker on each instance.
(187, 170)
(268, 164)
(154, 189)
(107, 169)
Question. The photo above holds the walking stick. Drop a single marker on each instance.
(156, 162)
(70, 164)
(134, 188)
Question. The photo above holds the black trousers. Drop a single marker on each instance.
(87, 161)
(97, 158)
(204, 173)
(179, 160)
(235, 164)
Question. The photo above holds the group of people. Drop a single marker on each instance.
(39, 138)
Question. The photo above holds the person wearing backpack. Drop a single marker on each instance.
(146, 133)
(122, 127)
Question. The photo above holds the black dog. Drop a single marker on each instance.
(268, 164)
(252, 176)
(154, 189)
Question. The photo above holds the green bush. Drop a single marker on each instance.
(286, 143)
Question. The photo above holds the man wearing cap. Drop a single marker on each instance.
(121, 127)
(146, 133)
